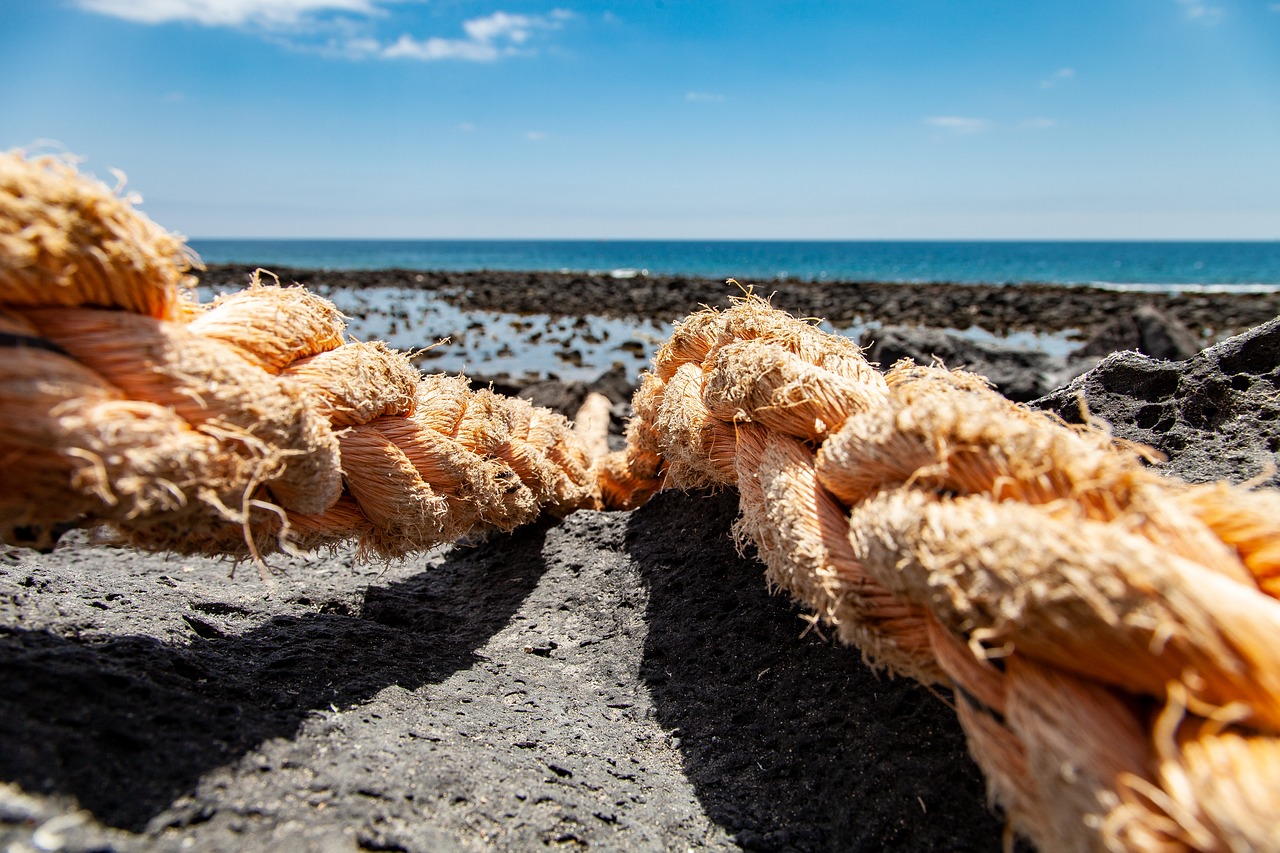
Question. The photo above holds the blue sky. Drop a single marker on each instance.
(675, 119)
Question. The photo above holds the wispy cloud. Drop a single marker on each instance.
(1198, 10)
(1274, 7)
(959, 124)
(1059, 76)
(342, 28)
(488, 38)
(535, 135)
(227, 13)
(703, 98)
(1038, 123)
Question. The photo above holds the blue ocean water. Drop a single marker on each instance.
(1154, 265)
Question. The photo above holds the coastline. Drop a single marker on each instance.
(1000, 310)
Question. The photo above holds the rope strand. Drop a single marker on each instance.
(243, 426)
(1110, 635)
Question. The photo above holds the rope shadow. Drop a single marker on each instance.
(790, 744)
(128, 724)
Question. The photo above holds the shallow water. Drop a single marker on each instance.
(538, 346)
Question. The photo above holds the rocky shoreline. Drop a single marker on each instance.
(998, 309)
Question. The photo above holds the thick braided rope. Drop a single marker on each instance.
(1113, 637)
(237, 427)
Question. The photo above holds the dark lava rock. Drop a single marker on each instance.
(1147, 330)
(566, 397)
(1216, 416)
(1019, 374)
(558, 395)
(614, 384)
(996, 308)
(623, 681)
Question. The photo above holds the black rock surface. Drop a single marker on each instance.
(1215, 416)
(1020, 374)
(622, 681)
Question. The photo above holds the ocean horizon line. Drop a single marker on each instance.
(1235, 263)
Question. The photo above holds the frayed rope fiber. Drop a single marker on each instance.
(238, 427)
(1112, 637)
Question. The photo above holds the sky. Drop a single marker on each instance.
(697, 119)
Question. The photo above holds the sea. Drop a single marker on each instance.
(1180, 266)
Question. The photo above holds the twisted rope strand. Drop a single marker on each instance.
(1110, 634)
(242, 426)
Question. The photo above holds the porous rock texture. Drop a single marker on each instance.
(615, 681)
(1215, 416)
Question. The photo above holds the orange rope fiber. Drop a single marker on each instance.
(238, 427)
(1110, 635)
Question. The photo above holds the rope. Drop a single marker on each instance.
(1111, 636)
(239, 427)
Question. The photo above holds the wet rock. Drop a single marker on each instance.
(559, 396)
(1018, 373)
(996, 308)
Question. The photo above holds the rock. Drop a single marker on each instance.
(1163, 336)
(623, 681)
(557, 395)
(1216, 416)
(566, 397)
(1020, 374)
(614, 384)
(996, 308)
(1147, 330)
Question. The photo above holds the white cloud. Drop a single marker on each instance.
(488, 38)
(535, 135)
(703, 98)
(1198, 10)
(435, 48)
(340, 28)
(226, 13)
(1038, 123)
(958, 124)
(1059, 76)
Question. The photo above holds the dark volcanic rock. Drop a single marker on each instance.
(1147, 330)
(622, 681)
(791, 744)
(1019, 374)
(557, 395)
(1216, 416)
(996, 308)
